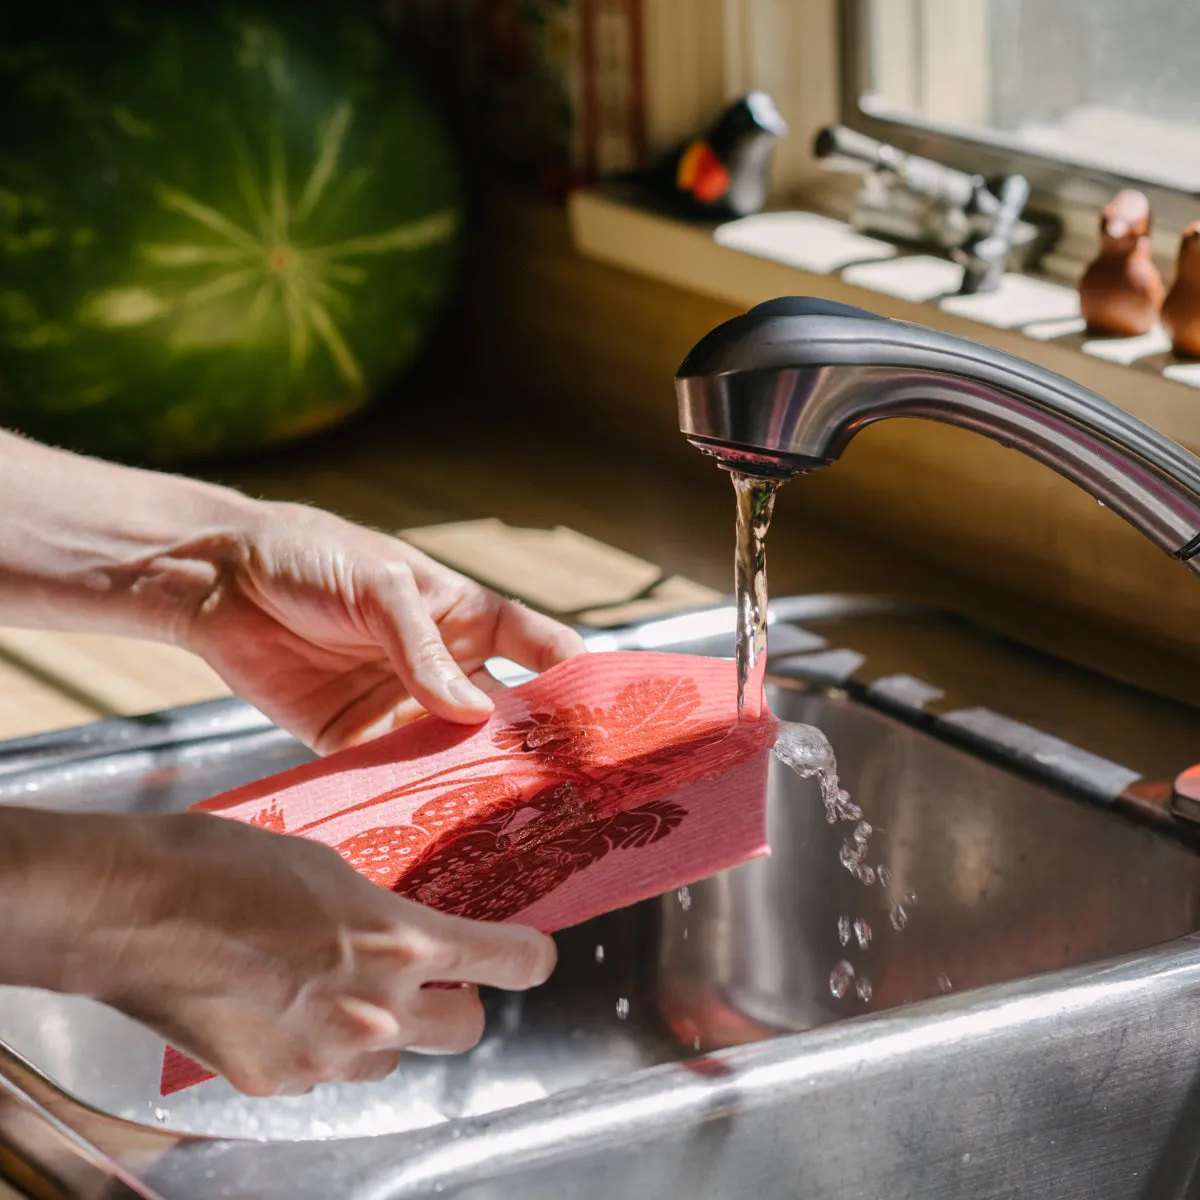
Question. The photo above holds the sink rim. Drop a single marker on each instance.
(632, 1109)
(725, 1074)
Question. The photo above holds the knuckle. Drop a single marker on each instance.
(470, 1028)
(254, 1082)
(533, 958)
(429, 657)
(449, 959)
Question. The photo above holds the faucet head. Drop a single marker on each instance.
(744, 386)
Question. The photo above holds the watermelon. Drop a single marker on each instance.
(222, 225)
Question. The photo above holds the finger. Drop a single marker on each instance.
(370, 1068)
(512, 957)
(485, 681)
(420, 657)
(445, 1022)
(533, 639)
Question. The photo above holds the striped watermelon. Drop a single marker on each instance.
(221, 225)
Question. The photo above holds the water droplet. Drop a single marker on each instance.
(845, 809)
(851, 856)
(685, 933)
(696, 1042)
(161, 1115)
(885, 876)
(622, 1008)
(967, 1157)
(898, 917)
(864, 990)
(843, 927)
(685, 898)
(840, 979)
(909, 898)
(862, 934)
(862, 831)
(865, 875)
(599, 953)
(944, 984)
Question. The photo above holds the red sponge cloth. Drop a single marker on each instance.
(606, 780)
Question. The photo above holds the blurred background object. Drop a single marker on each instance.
(911, 199)
(221, 226)
(1181, 312)
(724, 171)
(552, 92)
(1121, 292)
(1101, 84)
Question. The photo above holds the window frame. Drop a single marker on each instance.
(1056, 183)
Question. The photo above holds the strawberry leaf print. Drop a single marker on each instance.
(384, 854)
(447, 811)
(501, 867)
(270, 818)
(570, 732)
(644, 825)
(649, 714)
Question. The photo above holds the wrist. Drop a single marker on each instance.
(94, 547)
(72, 887)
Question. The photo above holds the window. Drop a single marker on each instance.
(1077, 94)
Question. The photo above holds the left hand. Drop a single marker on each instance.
(339, 633)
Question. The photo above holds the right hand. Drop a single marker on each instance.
(271, 961)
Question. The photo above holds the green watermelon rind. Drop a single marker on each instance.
(225, 275)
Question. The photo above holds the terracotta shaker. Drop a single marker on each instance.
(1121, 292)
(1181, 313)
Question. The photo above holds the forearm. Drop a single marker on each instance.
(87, 545)
(68, 894)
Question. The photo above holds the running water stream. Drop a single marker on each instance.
(755, 504)
(803, 748)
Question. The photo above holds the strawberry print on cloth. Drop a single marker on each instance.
(608, 779)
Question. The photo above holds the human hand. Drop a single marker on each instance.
(340, 633)
(263, 956)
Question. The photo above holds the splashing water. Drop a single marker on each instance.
(807, 751)
(840, 979)
(685, 898)
(622, 1009)
(599, 954)
(755, 503)
(944, 984)
(803, 748)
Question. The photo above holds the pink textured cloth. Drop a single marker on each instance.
(607, 780)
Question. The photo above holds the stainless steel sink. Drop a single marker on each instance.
(1043, 988)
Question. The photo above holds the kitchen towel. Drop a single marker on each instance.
(606, 780)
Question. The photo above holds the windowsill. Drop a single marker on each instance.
(796, 253)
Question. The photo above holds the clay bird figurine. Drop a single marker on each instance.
(724, 171)
(1181, 312)
(1121, 293)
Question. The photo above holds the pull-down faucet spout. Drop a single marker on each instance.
(782, 389)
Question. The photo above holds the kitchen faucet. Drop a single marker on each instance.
(782, 389)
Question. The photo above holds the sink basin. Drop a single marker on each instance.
(1043, 988)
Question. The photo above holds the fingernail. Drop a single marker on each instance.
(467, 694)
